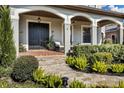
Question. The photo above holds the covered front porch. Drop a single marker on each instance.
(35, 25)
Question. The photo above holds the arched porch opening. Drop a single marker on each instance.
(108, 29)
(37, 26)
(81, 30)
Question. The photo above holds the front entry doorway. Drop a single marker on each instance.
(38, 33)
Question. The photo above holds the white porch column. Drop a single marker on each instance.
(121, 33)
(15, 26)
(94, 33)
(67, 43)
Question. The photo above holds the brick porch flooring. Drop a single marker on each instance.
(41, 53)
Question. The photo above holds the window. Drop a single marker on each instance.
(86, 35)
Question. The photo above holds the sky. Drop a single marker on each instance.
(118, 8)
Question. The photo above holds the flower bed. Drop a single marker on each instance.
(100, 59)
(115, 49)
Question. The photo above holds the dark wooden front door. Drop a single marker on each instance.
(38, 32)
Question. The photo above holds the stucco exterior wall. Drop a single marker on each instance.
(66, 12)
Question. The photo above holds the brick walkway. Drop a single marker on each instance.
(41, 53)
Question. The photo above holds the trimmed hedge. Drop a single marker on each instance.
(103, 56)
(115, 49)
(23, 68)
(5, 72)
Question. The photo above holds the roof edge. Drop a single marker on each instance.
(83, 8)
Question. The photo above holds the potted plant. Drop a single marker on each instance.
(50, 43)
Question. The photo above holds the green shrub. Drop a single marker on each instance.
(103, 56)
(79, 63)
(4, 72)
(22, 48)
(0, 53)
(52, 81)
(24, 67)
(107, 41)
(88, 50)
(119, 57)
(77, 84)
(121, 84)
(70, 60)
(77, 51)
(117, 68)
(92, 86)
(6, 41)
(100, 67)
(27, 84)
(48, 81)
(102, 86)
(50, 43)
(4, 84)
(39, 75)
(115, 49)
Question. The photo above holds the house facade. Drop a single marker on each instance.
(69, 25)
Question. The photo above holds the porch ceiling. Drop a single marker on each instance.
(105, 22)
(42, 13)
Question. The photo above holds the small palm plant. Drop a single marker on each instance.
(50, 43)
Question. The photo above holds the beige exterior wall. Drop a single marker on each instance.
(76, 34)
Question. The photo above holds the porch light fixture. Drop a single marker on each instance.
(73, 22)
(39, 19)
